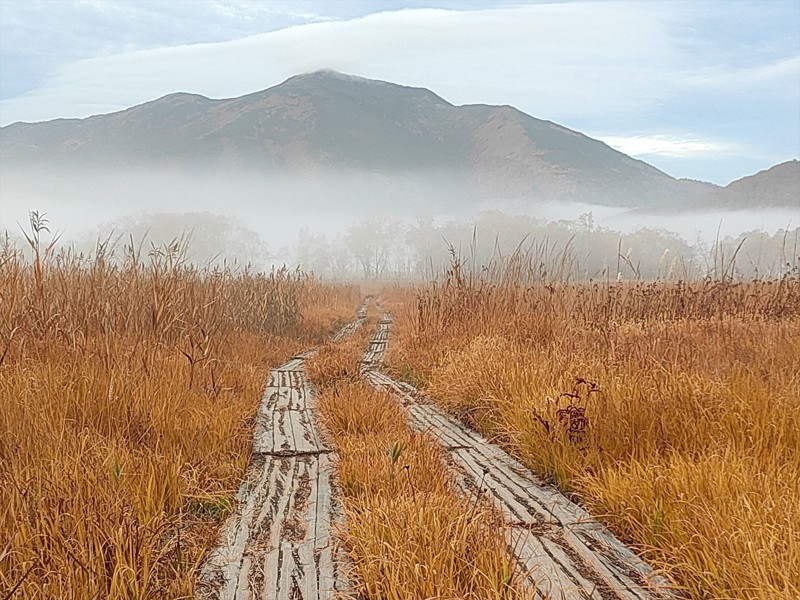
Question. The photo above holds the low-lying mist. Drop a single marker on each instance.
(367, 225)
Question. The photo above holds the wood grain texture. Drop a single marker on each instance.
(278, 544)
(564, 552)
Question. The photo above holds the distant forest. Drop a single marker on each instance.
(575, 250)
(386, 248)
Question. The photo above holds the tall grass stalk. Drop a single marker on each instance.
(128, 391)
(688, 444)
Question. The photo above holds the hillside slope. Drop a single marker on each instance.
(776, 186)
(326, 123)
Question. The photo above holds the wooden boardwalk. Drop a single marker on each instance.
(278, 544)
(565, 553)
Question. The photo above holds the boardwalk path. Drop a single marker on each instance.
(565, 552)
(278, 544)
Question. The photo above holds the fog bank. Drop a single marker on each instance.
(298, 219)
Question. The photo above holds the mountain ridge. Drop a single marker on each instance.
(327, 122)
(778, 185)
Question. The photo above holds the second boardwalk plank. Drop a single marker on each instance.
(555, 540)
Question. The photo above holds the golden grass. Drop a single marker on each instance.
(128, 391)
(671, 410)
(336, 362)
(408, 532)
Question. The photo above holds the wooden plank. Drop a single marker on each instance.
(311, 431)
(548, 571)
(349, 328)
(263, 437)
(281, 434)
(309, 399)
(327, 585)
(280, 567)
(285, 395)
(612, 574)
(508, 499)
(272, 572)
(573, 554)
(243, 581)
(329, 557)
(307, 571)
(278, 543)
(303, 437)
(421, 420)
(585, 536)
(291, 433)
(270, 399)
(227, 570)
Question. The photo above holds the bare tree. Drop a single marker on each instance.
(370, 241)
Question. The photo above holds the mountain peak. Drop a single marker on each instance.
(322, 74)
(182, 97)
(332, 80)
(325, 121)
(777, 186)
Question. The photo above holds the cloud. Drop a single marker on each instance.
(554, 60)
(38, 37)
(672, 146)
(782, 71)
(727, 71)
(561, 61)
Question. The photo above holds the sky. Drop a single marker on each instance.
(707, 90)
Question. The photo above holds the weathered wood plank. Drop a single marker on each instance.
(565, 552)
(279, 542)
(292, 432)
(547, 569)
(349, 328)
(303, 436)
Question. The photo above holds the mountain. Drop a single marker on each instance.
(777, 186)
(380, 136)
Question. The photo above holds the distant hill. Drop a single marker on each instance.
(777, 186)
(377, 135)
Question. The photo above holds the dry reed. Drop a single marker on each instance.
(128, 389)
(671, 410)
(408, 532)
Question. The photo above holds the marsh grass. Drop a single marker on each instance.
(409, 533)
(670, 409)
(128, 389)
